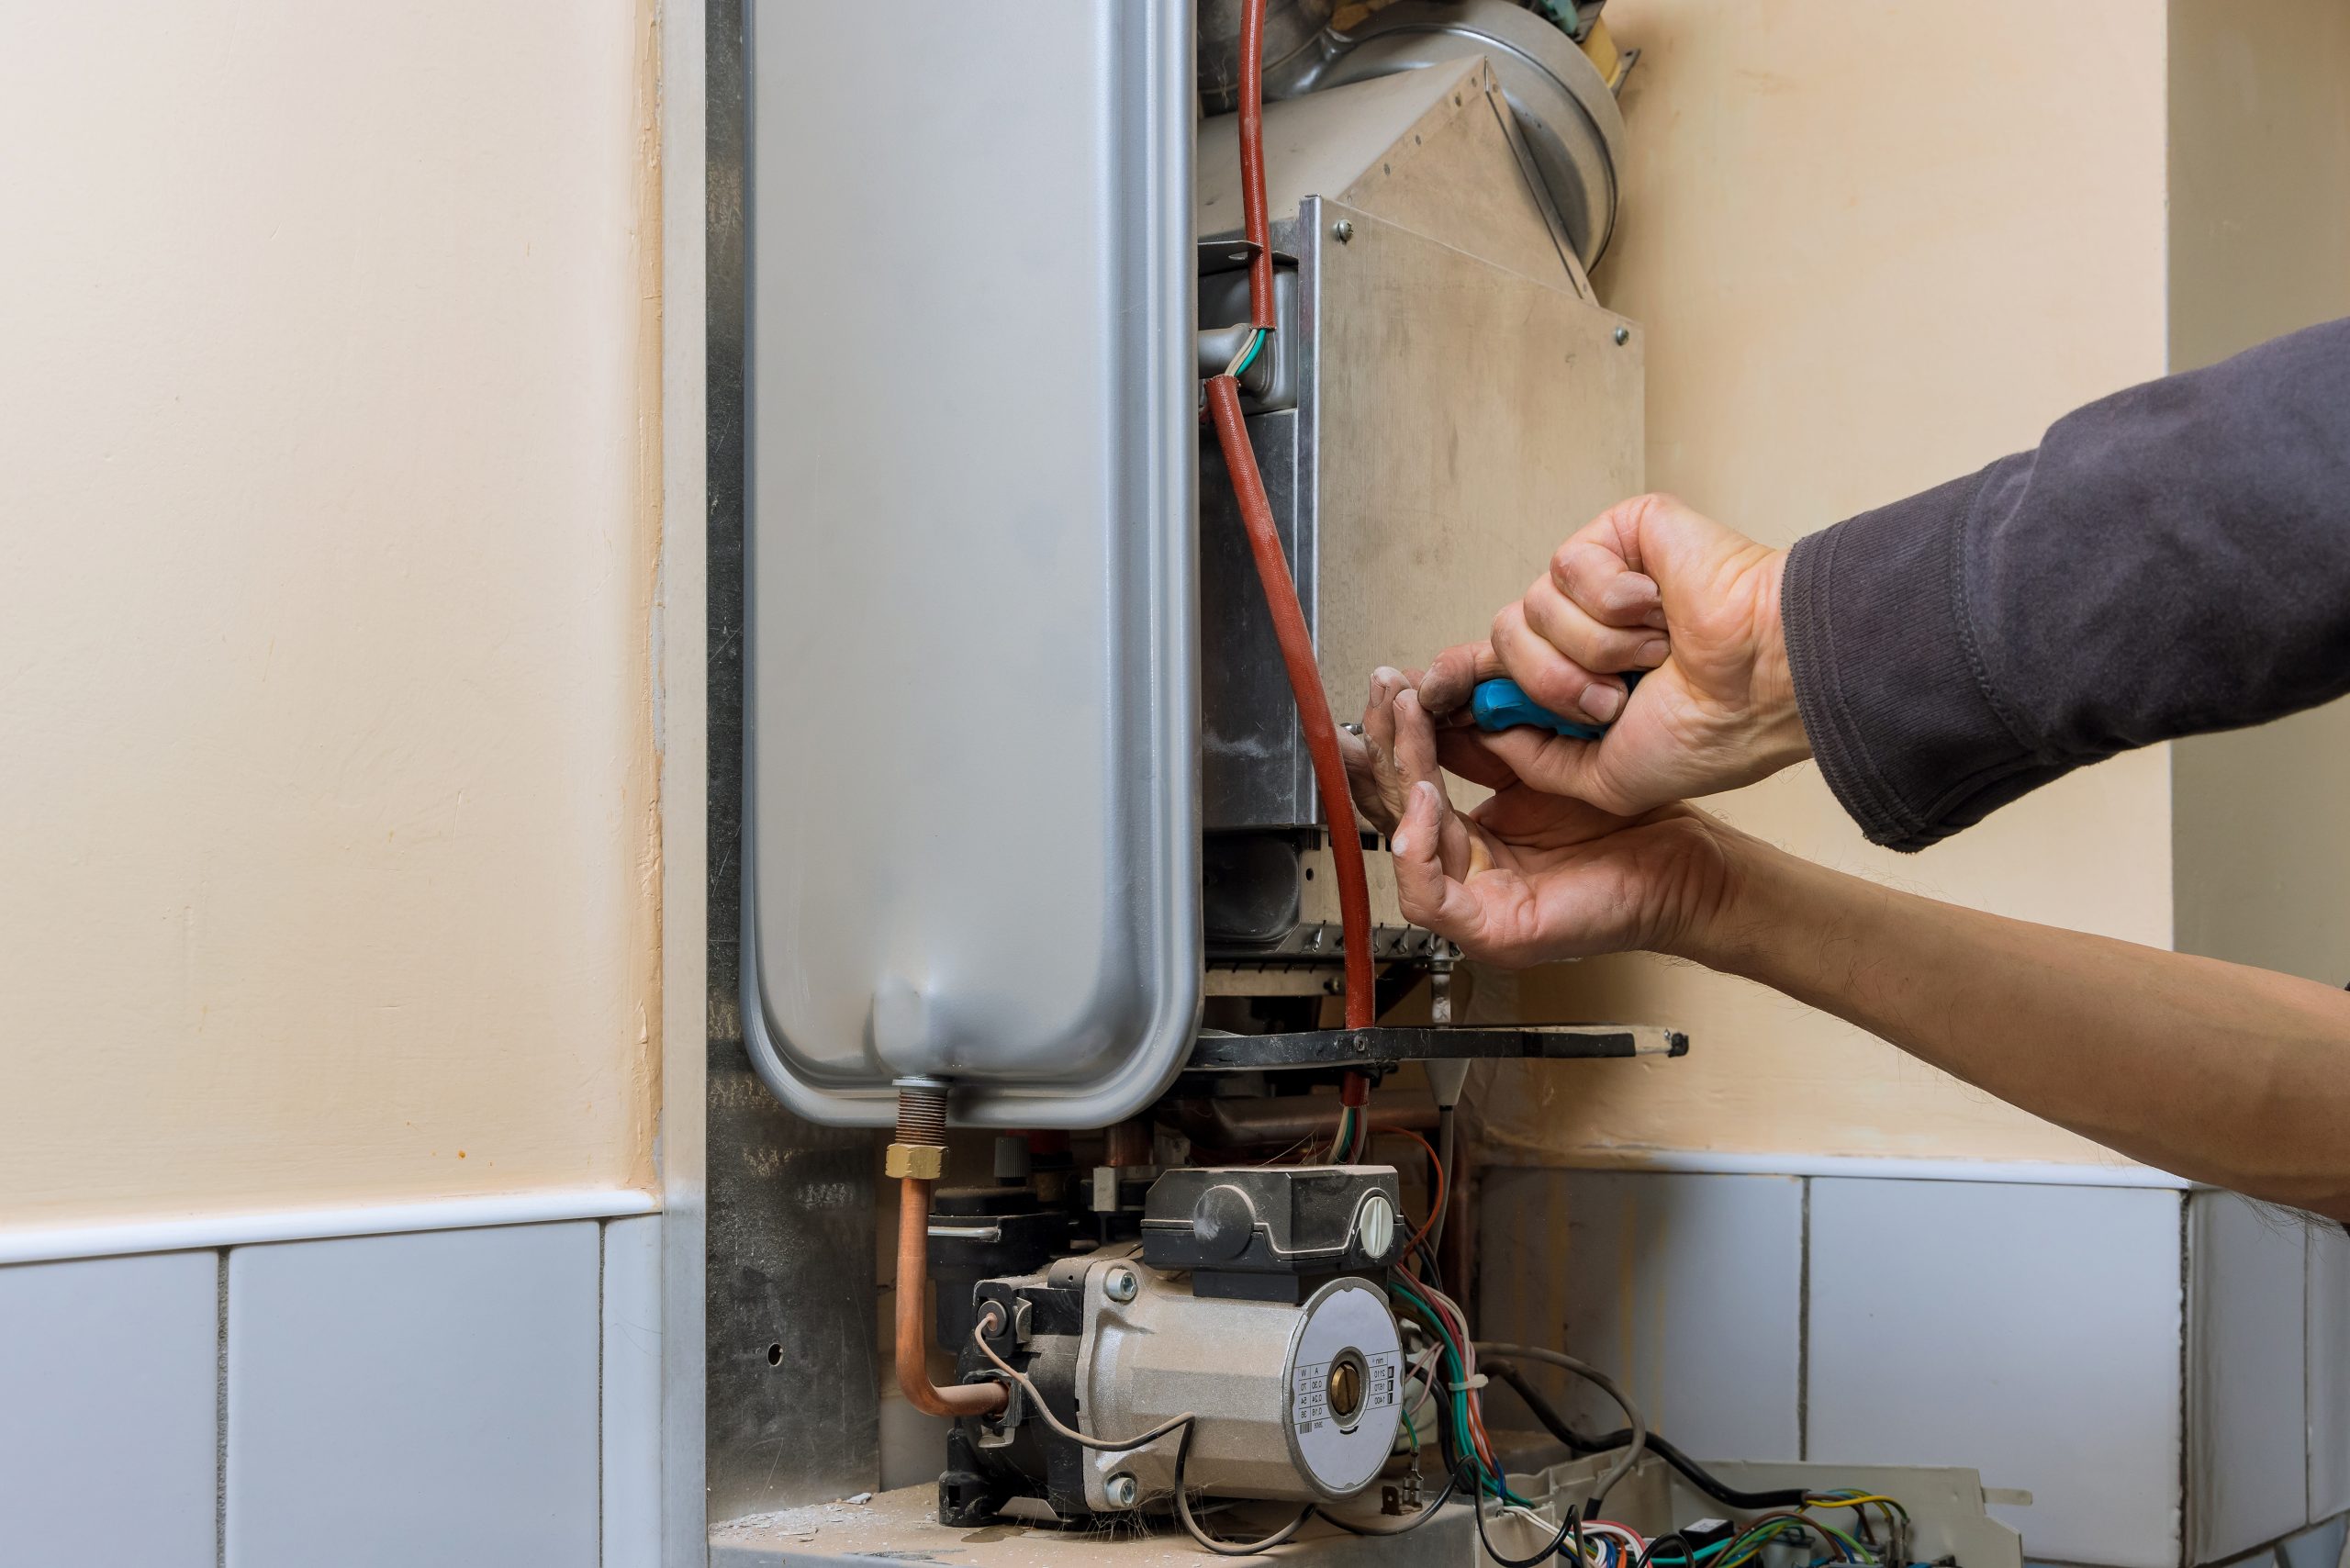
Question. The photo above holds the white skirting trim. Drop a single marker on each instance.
(2011, 1173)
(189, 1232)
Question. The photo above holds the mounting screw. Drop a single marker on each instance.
(1623, 336)
(1122, 1490)
(1121, 1287)
(1342, 231)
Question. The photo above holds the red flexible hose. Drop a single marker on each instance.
(1305, 686)
(1256, 227)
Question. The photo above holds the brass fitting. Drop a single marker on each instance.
(921, 1161)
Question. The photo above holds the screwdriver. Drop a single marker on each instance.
(1502, 704)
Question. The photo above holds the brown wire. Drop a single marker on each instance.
(1257, 224)
(1305, 686)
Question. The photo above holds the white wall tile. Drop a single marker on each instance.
(109, 1379)
(2029, 1332)
(2248, 1391)
(632, 1392)
(2320, 1545)
(398, 1400)
(1685, 1288)
(2329, 1373)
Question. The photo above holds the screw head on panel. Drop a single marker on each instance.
(1121, 1286)
(1342, 231)
(1623, 336)
(1122, 1490)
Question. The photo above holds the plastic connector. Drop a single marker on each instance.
(921, 1161)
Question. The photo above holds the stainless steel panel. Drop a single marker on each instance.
(1456, 419)
(1253, 763)
(1464, 420)
(971, 846)
(782, 1353)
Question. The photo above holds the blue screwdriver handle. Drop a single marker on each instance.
(1502, 704)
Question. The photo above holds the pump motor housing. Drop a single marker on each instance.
(1294, 1394)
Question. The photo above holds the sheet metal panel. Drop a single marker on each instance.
(1455, 421)
(971, 828)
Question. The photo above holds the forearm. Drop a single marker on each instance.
(2170, 560)
(2214, 1071)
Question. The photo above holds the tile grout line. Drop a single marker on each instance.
(1803, 1331)
(220, 1409)
(603, 1267)
(2187, 1512)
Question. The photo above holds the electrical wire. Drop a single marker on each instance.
(1265, 544)
(1689, 1550)
(1631, 1454)
(1256, 221)
(1217, 1544)
(1437, 1197)
(1444, 1163)
(1306, 687)
(1248, 355)
(993, 1314)
(1569, 1526)
(1699, 1477)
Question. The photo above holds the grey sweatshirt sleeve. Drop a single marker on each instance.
(2173, 559)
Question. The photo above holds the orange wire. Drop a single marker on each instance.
(1443, 1182)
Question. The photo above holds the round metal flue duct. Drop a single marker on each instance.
(1291, 28)
(1565, 110)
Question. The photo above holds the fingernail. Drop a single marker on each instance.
(1399, 845)
(1651, 653)
(1655, 617)
(1601, 702)
(1631, 590)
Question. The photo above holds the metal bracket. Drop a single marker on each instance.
(1215, 1051)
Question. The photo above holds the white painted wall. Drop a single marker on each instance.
(329, 421)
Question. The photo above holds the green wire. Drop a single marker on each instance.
(1493, 1484)
(1256, 346)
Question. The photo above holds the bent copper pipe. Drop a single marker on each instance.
(913, 1347)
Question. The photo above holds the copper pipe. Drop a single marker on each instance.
(913, 1340)
(1126, 1143)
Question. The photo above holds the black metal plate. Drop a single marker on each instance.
(1390, 1046)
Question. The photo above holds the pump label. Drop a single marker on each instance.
(1346, 1388)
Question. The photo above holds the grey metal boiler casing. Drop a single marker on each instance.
(1003, 675)
(970, 831)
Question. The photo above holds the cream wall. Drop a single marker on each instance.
(1875, 247)
(329, 423)
(2260, 149)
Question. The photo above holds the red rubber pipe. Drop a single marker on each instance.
(1305, 686)
(1256, 225)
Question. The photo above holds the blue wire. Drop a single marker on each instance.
(1256, 346)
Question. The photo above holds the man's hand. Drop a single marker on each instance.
(1650, 586)
(1527, 877)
